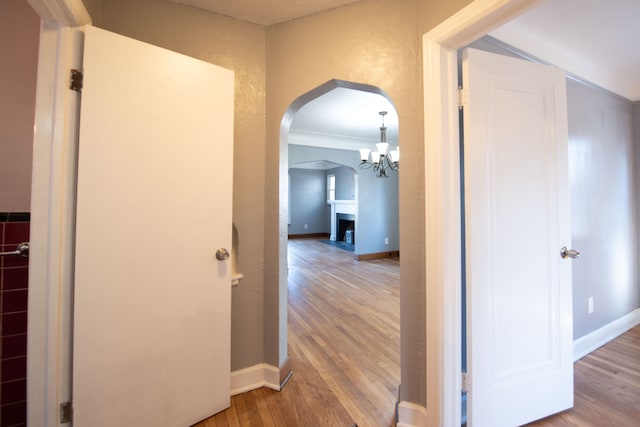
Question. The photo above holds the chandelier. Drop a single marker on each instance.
(382, 160)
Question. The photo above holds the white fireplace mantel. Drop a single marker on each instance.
(338, 207)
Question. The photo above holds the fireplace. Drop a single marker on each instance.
(345, 225)
(342, 210)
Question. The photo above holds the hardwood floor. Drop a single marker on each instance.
(344, 345)
(607, 387)
(344, 340)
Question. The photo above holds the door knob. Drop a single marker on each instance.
(222, 254)
(569, 253)
(22, 250)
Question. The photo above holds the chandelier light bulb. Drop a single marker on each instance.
(382, 148)
(382, 160)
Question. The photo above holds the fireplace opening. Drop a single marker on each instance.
(347, 230)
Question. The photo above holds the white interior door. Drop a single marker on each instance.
(151, 343)
(519, 309)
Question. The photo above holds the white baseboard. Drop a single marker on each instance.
(411, 415)
(254, 377)
(596, 339)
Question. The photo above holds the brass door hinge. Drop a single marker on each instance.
(75, 80)
(66, 412)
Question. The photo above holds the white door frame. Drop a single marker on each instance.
(52, 210)
(442, 205)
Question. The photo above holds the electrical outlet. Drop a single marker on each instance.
(306, 226)
(386, 240)
(590, 305)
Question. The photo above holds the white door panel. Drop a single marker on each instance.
(517, 219)
(152, 303)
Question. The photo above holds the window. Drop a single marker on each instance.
(331, 187)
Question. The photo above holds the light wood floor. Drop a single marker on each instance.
(606, 387)
(344, 345)
(344, 338)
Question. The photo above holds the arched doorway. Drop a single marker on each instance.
(332, 122)
(313, 141)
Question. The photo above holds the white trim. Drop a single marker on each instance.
(596, 339)
(442, 198)
(71, 13)
(442, 226)
(40, 381)
(254, 377)
(52, 225)
(476, 20)
(410, 415)
(335, 142)
(235, 278)
(52, 211)
(337, 207)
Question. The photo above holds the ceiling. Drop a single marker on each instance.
(594, 39)
(344, 112)
(265, 12)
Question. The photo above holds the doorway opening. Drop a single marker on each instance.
(443, 173)
(327, 127)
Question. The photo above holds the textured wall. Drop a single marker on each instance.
(19, 35)
(432, 12)
(372, 42)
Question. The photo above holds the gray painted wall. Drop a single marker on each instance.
(603, 205)
(636, 164)
(345, 183)
(604, 195)
(308, 198)
(308, 202)
(377, 199)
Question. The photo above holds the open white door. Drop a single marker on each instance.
(519, 309)
(151, 344)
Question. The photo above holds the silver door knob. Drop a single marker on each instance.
(222, 254)
(569, 253)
